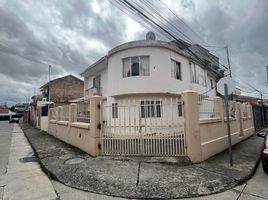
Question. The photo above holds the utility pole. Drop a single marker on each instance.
(228, 60)
(49, 67)
(266, 75)
(262, 108)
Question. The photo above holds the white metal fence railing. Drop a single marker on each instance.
(83, 112)
(65, 113)
(207, 107)
(147, 127)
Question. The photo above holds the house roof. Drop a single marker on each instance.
(104, 58)
(57, 79)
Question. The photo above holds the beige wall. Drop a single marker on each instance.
(85, 136)
(209, 136)
(204, 137)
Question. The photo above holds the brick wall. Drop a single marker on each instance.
(66, 88)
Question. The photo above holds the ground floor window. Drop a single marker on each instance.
(151, 108)
(114, 110)
(179, 109)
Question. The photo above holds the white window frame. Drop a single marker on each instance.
(151, 109)
(96, 80)
(175, 67)
(142, 72)
(115, 110)
(179, 109)
(196, 79)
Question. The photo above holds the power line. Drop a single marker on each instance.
(136, 9)
(180, 20)
(131, 6)
(141, 21)
(167, 21)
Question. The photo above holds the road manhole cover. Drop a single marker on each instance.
(72, 161)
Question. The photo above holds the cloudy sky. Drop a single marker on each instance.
(72, 34)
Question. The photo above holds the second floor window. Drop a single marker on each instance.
(199, 75)
(97, 82)
(136, 66)
(175, 69)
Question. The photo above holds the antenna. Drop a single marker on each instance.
(150, 36)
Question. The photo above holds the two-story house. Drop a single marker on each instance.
(152, 69)
(141, 83)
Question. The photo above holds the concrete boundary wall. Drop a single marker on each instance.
(85, 136)
(208, 136)
(204, 137)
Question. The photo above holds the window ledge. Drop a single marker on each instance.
(246, 118)
(80, 125)
(230, 119)
(65, 123)
(209, 120)
(52, 121)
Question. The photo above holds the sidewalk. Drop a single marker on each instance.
(24, 180)
(135, 179)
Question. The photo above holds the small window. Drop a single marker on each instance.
(211, 84)
(97, 82)
(176, 70)
(114, 110)
(179, 109)
(199, 75)
(150, 109)
(136, 66)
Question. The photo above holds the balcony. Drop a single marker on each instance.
(92, 91)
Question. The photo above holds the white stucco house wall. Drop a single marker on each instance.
(150, 68)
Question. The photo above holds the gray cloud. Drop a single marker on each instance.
(68, 35)
(242, 25)
(72, 34)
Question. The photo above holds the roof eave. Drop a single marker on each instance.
(83, 74)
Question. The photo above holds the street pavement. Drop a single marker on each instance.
(254, 189)
(134, 179)
(21, 180)
(5, 142)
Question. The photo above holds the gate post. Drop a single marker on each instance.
(239, 118)
(192, 125)
(95, 125)
(72, 113)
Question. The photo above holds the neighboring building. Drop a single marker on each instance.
(245, 99)
(238, 97)
(152, 69)
(63, 89)
(4, 109)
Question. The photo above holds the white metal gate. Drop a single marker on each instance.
(147, 127)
